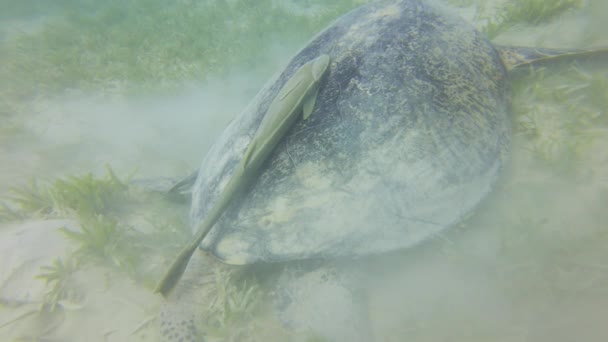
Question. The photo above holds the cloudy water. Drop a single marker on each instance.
(100, 102)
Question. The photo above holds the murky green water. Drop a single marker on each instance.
(145, 87)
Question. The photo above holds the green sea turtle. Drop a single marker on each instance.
(408, 126)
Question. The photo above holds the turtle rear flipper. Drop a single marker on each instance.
(185, 185)
(516, 56)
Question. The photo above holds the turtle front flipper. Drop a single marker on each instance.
(515, 56)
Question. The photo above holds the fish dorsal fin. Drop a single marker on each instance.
(248, 154)
(515, 56)
(309, 104)
(319, 66)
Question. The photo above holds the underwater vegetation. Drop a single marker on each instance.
(561, 131)
(75, 195)
(508, 14)
(526, 12)
(102, 206)
(57, 277)
(143, 45)
(231, 308)
(25, 200)
(146, 46)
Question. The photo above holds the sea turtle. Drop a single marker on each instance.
(408, 126)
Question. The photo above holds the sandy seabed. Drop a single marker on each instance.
(530, 265)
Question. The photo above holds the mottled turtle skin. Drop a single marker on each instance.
(409, 133)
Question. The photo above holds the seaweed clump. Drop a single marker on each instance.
(75, 195)
(102, 207)
(527, 12)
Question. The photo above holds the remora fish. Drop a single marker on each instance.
(297, 95)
